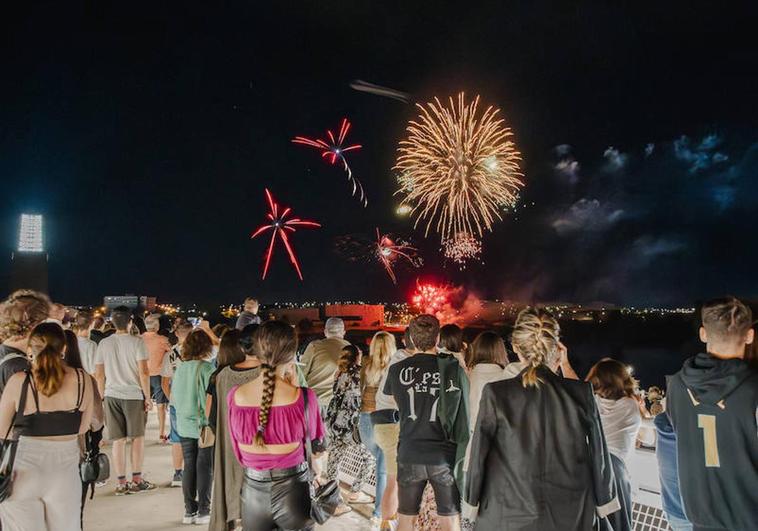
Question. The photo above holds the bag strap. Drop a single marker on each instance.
(21, 404)
(306, 431)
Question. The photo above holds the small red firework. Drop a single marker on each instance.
(388, 251)
(430, 298)
(279, 223)
(334, 150)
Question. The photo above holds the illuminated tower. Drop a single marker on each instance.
(29, 261)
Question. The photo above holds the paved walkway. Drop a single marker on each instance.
(163, 508)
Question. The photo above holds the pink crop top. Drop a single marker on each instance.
(285, 425)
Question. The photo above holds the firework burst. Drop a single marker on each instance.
(430, 298)
(334, 150)
(279, 223)
(462, 248)
(389, 251)
(458, 168)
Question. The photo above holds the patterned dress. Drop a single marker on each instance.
(342, 416)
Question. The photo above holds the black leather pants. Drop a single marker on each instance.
(276, 499)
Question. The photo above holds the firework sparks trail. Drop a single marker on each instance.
(279, 222)
(334, 150)
(458, 168)
(388, 251)
(365, 86)
(462, 248)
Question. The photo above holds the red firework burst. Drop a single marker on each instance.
(430, 298)
(388, 251)
(279, 223)
(334, 150)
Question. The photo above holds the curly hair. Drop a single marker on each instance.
(536, 337)
(21, 312)
(197, 346)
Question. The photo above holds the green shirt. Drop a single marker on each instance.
(188, 396)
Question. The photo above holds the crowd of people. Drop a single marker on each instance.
(453, 435)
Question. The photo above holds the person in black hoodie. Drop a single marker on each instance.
(713, 406)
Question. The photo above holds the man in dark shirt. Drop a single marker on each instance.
(424, 453)
(19, 314)
(713, 406)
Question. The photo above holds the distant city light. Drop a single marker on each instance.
(30, 234)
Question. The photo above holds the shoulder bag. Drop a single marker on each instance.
(8, 447)
(207, 437)
(325, 498)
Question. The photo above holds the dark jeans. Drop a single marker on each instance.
(622, 520)
(197, 477)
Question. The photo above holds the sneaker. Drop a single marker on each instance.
(142, 486)
(101, 483)
(189, 519)
(177, 481)
(122, 489)
(203, 519)
(388, 525)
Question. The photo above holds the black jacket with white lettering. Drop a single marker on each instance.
(712, 404)
(539, 461)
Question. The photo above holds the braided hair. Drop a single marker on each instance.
(535, 337)
(275, 345)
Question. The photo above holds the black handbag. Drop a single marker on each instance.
(8, 447)
(95, 466)
(325, 498)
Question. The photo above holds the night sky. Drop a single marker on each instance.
(146, 135)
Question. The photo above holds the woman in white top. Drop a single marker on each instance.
(486, 363)
(621, 418)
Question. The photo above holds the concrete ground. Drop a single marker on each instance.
(163, 508)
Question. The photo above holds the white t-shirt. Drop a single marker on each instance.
(171, 361)
(120, 354)
(87, 349)
(621, 421)
(384, 401)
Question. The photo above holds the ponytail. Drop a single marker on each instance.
(530, 378)
(47, 370)
(269, 384)
(47, 343)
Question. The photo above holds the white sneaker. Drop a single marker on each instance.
(189, 519)
(203, 519)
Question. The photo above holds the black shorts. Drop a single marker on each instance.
(156, 390)
(412, 480)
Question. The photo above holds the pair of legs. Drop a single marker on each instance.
(161, 401)
(386, 437)
(412, 480)
(126, 419)
(338, 451)
(197, 478)
(177, 458)
(367, 437)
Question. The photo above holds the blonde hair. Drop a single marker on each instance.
(536, 337)
(380, 351)
(153, 322)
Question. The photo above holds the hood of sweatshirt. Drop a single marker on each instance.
(712, 379)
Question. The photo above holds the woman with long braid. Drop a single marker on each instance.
(267, 429)
(539, 460)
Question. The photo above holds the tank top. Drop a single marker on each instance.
(49, 423)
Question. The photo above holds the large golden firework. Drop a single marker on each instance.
(458, 168)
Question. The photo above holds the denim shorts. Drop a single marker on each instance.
(173, 436)
(412, 480)
(156, 390)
